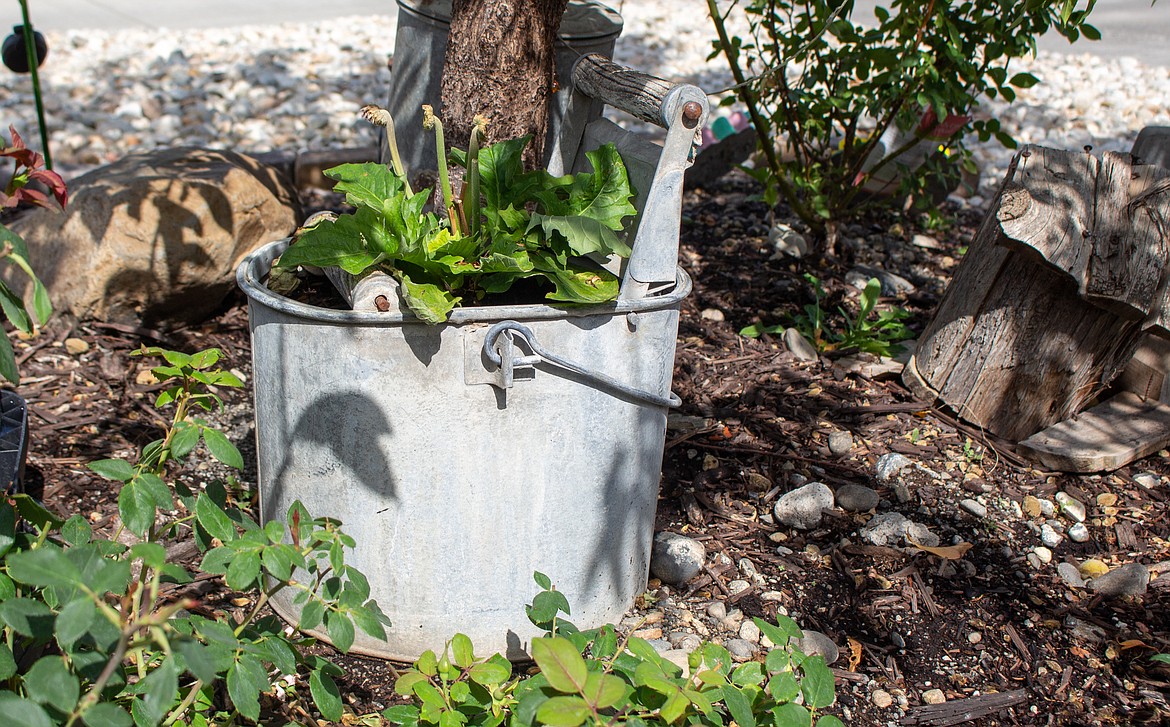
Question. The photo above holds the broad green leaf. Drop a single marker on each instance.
(136, 505)
(14, 309)
(74, 620)
(151, 554)
(560, 663)
(75, 531)
(325, 695)
(783, 630)
(818, 684)
(404, 715)
(792, 715)
(184, 438)
(502, 179)
(584, 235)
(603, 690)
(205, 359)
(222, 448)
(368, 184)
(461, 651)
(213, 519)
(563, 712)
(21, 712)
(8, 361)
(118, 470)
(829, 720)
(244, 694)
(340, 629)
(7, 662)
(199, 658)
(577, 286)
(1024, 80)
(49, 682)
(153, 484)
(35, 513)
(159, 689)
(404, 685)
(311, 615)
(337, 242)
(674, 707)
(366, 620)
(489, 674)
(1163, 658)
(739, 706)
(429, 302)
(217, 560)
(784, 687)
(545, 606)
(106, 714)
(46, 566)
(243, 570)
(28, 617)
(278, 561)
(603, 195)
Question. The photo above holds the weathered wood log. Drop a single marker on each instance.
(1053, 294)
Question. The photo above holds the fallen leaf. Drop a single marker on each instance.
(145, 377)
(1106, 499)
(950, 552)
(76, 346)
(1079, 652)
(1032, 506)
(855, 653)
(1134, 644)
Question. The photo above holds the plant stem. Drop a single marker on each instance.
(472, 190)
(178, 712)
(30, 50)
(761, 124)
(432, 121)
(379, 116)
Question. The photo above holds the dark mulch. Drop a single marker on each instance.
(755, 421)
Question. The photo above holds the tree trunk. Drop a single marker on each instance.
(500, 63)
(1055, 291)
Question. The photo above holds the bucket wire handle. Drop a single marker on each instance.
(507, 362)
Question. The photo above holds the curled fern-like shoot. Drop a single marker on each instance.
(478, 132)
(430, 121)
(379, 116)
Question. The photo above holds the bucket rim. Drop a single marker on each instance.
(252, 269)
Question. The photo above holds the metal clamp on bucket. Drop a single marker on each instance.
(499, 349)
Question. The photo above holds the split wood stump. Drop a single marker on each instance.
(1065, 280)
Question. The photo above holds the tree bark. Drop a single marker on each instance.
(500, 63)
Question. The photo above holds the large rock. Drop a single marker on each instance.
(156, 236)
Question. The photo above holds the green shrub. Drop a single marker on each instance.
(100, 632)
(839, 106)
(597, 677)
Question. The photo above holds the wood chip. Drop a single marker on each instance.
(958, 711)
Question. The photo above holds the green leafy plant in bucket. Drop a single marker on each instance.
(599, 677)
(508, 224)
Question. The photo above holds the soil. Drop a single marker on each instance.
(1006, 642)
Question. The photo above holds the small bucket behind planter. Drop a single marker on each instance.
(512, 439)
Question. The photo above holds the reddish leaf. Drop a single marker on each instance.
(53, 181)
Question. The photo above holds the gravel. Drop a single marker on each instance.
(298, 86)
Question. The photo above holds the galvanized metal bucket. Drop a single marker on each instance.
(456, 490)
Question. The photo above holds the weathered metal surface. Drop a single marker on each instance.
(456, 493)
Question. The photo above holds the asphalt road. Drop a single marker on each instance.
(1135, 28)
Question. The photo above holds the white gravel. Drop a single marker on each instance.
(298, 86)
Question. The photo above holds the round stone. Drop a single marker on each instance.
(676, 558)
(814, 642)
(856, 498)
(933, 696)
(802, 507)
(882, 699)
(1078, 533)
